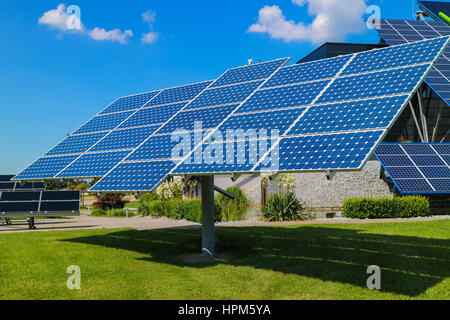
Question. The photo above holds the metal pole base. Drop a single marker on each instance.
(208, 217)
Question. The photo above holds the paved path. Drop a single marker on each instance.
(148, 223)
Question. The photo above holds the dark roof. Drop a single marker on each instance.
(333, 49)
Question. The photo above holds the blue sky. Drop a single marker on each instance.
(53, 80)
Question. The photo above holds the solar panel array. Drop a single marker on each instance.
(406, 31)
(330, 115)
(331, 119)
(110, 136)
(417, 168)
(432, 8)
(153, 160)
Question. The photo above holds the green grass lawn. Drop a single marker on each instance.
(295, 262)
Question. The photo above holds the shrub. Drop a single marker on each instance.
(192, 210)
(98, 213)
(283, 207)
(151, 196)
(398, 207)
(117, 213)
(233, 209)
(110, 201)
(156, 208)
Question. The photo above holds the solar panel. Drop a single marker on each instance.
(104, 132)
(383, 93)
(396, 32)
(212, 107)
(417, 168)
(433, 8)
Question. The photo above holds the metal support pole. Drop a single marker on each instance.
(208, 217)
(415, 120)
(436, 126)
(422, 115)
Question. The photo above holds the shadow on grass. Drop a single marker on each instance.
(410, 265)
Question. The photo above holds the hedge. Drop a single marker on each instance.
(397, 207)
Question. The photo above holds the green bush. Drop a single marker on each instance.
(398, 207)
(233, 209)
(98, 213)
(156, 208)
(151, 196)
(192, 210)
(283, 207)
(117, 213)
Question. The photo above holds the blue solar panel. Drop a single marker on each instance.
(326, 152)
(249, 73)
(154, 115)
(135, 176)
(45, 167)
(209, 119)
(404, 31)
(434, 7)
(224, 95)
(441, 184)
(283, 97)
(178, 94)
(271, 120)
(414, 185)
(398, 81)
(421, 169)
(124, 139)
(357, 115)
(419, 52)
(130, 103)
(76, 144)
(104, 122)
(160, 147)
(305, 72)
(226, 157)
(93, 165)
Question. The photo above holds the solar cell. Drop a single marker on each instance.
(130, 103)
(404, 31)
(104, 122)
(209, 118)
(305, 72)
(283, 97)
(349, 116)
(124, 139)
(154, 115)
(93, 165)
(249, 73)
(420, 170)
(76, 144)
(177, 94)
(45, 168)
(135, 176)
(224, 95)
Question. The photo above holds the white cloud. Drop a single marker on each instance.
(149, 37)
(101, 34)
(57, 18)
(149, 17)
(334, 20)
